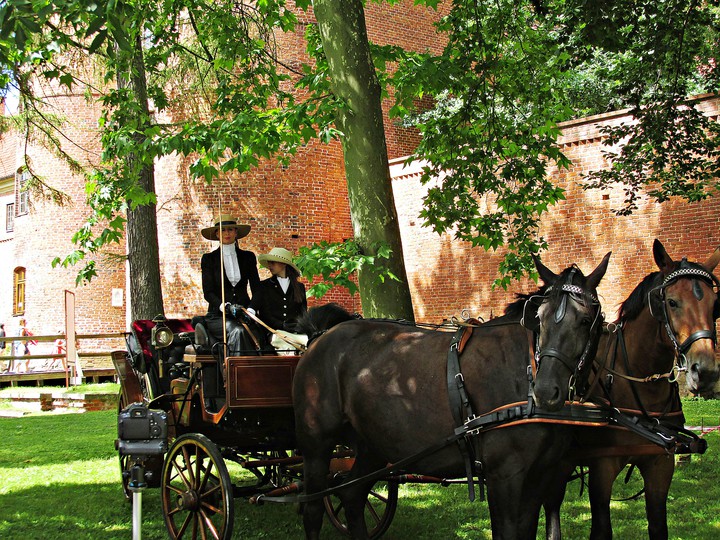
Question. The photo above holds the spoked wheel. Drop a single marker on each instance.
(379, 509)
(197, 494)
(153, 465)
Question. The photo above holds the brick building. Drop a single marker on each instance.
(288, 206)
(306, 202)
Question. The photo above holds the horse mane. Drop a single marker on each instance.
(321, 318)
(637, 299)
(515, 308)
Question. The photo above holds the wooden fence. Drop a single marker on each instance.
(68, 363)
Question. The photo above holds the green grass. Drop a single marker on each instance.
(59, 479)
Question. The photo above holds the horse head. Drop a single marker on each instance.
(570, 323)
(685, 301)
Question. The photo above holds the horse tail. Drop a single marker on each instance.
(320, 319)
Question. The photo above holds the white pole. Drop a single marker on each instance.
(137, 514)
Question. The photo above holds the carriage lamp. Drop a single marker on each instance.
(161, 336)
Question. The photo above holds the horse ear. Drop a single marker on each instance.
(662, 259)
(593, 280)
(713, 260)
(547, 275)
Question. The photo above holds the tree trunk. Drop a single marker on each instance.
(372, 205)
(145, 295)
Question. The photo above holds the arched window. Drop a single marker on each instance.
(19, 291)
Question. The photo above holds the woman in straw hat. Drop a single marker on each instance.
(281, 298)
(240, 271)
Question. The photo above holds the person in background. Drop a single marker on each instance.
(3, 346)
(281, 298)
(240, 272)
(21, 347)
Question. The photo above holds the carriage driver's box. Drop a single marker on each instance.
(141, 431)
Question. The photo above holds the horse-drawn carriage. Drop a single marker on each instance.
(370, 404)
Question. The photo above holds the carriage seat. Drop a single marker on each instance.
(141, 348)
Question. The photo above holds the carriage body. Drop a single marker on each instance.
(231, 419)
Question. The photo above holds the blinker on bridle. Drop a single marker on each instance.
(657, 305)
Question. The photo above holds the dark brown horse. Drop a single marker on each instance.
(665, 325)
(382, 388)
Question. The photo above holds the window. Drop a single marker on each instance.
(22, 194)
(19, 291)
(10, 217)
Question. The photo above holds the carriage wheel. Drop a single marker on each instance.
(153, 465)
(379, 509)
(197, 494)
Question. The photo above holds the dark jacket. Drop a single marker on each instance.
(275, 308)
(211, 284)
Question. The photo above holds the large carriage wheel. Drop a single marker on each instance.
(197, 494)
(379, 509)
(153, 465)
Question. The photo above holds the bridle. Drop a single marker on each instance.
(577, 294)
(658, 307)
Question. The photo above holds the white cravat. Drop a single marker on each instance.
(284, 283)
(232, 268)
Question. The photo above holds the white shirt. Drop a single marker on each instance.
(284, 283)
(232, 268)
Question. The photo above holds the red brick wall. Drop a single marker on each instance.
(447, 276)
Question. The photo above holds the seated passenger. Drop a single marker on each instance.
(240, 271)
(280, 299)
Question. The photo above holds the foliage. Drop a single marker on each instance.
(337, 265)
(512, 71)
(220, 57)
(488, 106)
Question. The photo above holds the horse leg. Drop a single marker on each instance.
(355, 497)
(657, 473)
(316, 465)
(553, 502)
(602, 476)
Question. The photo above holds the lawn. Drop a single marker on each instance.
(59, 479)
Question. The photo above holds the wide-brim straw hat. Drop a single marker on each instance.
(280, 255)
(228, 222)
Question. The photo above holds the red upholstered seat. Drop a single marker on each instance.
(142, 328)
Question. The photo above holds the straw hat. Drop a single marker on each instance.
(228, 222)
(278, 254)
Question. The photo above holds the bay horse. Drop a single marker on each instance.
(665, 325)
(382, 388)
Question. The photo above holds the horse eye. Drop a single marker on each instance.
(672, 303)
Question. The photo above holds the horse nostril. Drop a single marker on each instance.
(694, 368)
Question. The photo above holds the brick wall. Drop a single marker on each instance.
(448, 276)
(306, 202)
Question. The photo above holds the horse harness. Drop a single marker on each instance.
(469, 424)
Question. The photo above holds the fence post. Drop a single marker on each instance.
(70, 337)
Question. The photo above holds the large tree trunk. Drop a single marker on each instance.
(145, 295)
(372, 205)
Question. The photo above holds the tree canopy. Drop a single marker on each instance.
(512, 71)
(488, 106)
